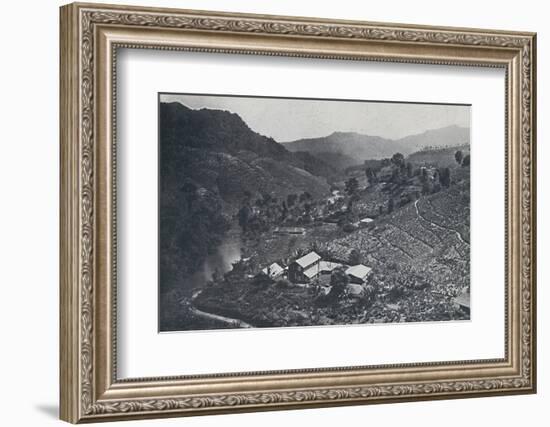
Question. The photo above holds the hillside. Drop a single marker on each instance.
(210, 159)
(417, 244)
(419, 253)
(430, 235)
(316, 166)
(345, 149)
(216, 150)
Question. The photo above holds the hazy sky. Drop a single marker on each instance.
(289, 119)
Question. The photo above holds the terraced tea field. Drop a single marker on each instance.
(429, 238)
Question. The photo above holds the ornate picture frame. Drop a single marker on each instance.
(90, 37)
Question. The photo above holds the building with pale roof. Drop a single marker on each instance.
(305, 269)
(463, 301)
(274, 271)
(358, 273)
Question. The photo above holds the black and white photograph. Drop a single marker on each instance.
(296, 212)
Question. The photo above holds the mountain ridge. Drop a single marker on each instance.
(353, 148)
(210, 161)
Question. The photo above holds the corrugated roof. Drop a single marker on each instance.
(463, 299)
(360, 271)
(274, 270)
(311, 272)
(308, 259)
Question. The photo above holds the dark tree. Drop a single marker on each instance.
(368, 173)
(348, 227)
(395, 176)
(371, 175)
(338, 281)
(217, 276)
(466, 161)
(426, 189)
(396, 292)
(283, 284)
(262, 280)
(284, 211)
(355, 257)
(305, 196)
(445, 177)
(189, 189)
(351, 186)
(267, 198)
(390, 205)
(244, 217)
(291, 199)
(409, 169)
(351, 201)
(398, 159)
(424, 175)
(459, 156)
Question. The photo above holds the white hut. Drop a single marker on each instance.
(274, 271)
(358, 273)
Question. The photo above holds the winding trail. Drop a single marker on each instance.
(212, 316)
(439, 226)
(227, 320)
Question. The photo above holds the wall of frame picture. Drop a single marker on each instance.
(268, 212)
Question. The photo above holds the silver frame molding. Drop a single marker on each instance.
(90, 37)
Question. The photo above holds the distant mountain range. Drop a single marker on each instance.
(216, 150)
(344, 149)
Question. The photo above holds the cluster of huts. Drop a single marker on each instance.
(311, 269)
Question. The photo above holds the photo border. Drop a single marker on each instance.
(159, 175)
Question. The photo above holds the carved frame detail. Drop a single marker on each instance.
(80, 399)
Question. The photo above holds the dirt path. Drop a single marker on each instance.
(227, 320)
(439, 226)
